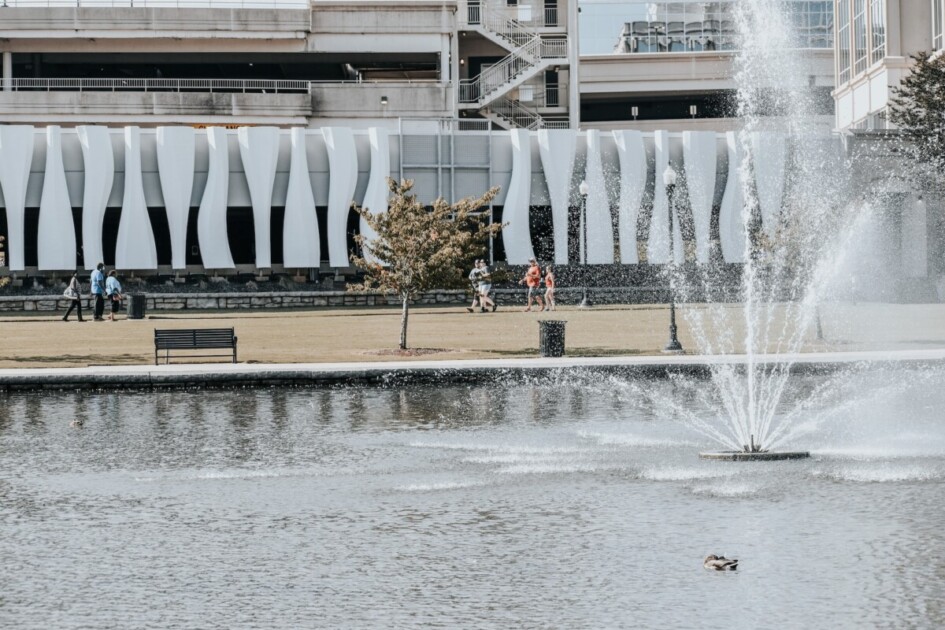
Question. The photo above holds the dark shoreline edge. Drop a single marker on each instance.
(381, 376)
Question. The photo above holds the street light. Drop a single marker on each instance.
(583, 188)
(669, 178)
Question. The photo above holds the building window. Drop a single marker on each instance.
(859, 36)
(878, 30)
(938, 15)
(843, 45)
(667, 27)
(812, 22)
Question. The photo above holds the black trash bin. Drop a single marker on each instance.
(551, 337)
(136, 306)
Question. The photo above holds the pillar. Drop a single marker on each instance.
(574, 85)
(445, 58)
(7, 71)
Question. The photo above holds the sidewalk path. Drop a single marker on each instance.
(370, 335)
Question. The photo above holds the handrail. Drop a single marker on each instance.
(515, 113)
(509, 29)
(554, 48)
(160, 4)
(379, 81)
(276, 86)
(482, 87)
(530, 16)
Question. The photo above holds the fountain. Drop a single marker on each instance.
(792, 177)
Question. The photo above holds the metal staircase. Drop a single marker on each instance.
(529, 55)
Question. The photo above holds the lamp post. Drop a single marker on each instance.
(583, 188)
(669, 178)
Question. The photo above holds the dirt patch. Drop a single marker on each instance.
(409, 352)
(80, 359)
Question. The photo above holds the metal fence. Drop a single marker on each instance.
(159, 4)
(527, 15)
(258, 86)
(246, 86)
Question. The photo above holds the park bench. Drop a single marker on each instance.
(194, 339)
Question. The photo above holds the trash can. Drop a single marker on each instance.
(136, 306)
(551, 337)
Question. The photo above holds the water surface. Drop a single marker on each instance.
(566, 504)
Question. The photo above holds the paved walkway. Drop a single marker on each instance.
(370, 335)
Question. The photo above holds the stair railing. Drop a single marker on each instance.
(515, 113)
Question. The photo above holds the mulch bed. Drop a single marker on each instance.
(409, 352)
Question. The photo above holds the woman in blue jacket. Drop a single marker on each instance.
(113, 292)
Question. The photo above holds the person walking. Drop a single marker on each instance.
(98, 292)
(113, 291)
(485, 287)
(532, 280)
(549, 288)
(474, 281)
(74, 293)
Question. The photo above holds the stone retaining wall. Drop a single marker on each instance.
(225, 301)
(315, 299)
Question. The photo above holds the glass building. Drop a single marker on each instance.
(692, 26)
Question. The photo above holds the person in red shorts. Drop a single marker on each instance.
(549, 288)
(532, 279)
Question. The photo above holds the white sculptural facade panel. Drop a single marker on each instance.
(301, 245)
(135, 248)
(176, 151)
(732, 219)
(600, 233)
(631, 153)
(556, 149)
(99, 165)
(343, 163)
(516, 234)
(16, 157)
(55, 240)
(375, 197)
(259, 150)
(211, 217)
(657, 251)
(699, 160)
(768, 161)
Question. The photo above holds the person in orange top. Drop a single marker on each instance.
(533, 280)
(549, 288)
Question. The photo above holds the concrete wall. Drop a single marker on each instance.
(669, 73)
(154, 108)
(339, 104)
(99, 23)
(363, 100)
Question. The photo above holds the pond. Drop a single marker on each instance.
(575, 502)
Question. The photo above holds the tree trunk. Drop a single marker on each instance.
(403, 327)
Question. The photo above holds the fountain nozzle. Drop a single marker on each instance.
(751, 447)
